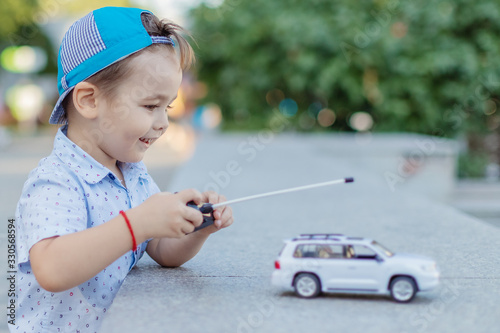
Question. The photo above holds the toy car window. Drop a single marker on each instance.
(360, 252)
(382, 248)
(305, 251)
(318, 251)
(330, 251)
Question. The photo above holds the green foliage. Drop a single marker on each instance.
(424, 67)
(19, 26)
(15, 13)
(472, 165)
(21, 22)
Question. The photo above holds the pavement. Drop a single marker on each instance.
(226, 287)
(479, 198)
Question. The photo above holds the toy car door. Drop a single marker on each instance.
(333, 268)
(345, 271)
(366, 270)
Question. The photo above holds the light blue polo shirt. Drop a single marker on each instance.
(70, 191)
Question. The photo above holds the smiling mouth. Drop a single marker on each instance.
(147, 141)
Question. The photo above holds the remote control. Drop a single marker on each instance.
(208, 217)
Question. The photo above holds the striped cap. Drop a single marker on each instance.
(97, 41)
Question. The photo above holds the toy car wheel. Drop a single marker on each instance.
(403, 289)
(307, 285)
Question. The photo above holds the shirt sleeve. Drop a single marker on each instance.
(51, 205)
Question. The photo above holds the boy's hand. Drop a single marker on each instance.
(166, 215)
(223, 215)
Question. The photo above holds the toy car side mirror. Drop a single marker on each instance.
(379, 258)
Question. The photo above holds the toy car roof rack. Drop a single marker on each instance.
(318, 236)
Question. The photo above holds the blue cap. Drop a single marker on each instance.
(95, 42)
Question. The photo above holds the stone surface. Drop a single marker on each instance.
(226, 287)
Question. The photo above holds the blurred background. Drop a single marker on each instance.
(355, 67)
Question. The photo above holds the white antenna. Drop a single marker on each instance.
(208, 208)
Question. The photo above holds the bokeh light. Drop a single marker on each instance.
(361, 121)
(399, 29)
(445, 9)
(288, 107)
(306, 121)
(326, 117)
(178, 107)
(241, 115)
(493, 123)
(274, 97)
(23, 59)
(213, 3)
(25, 101)
(490, 107)
(211, 116)
(178, 137)
(314, 109)
(207, 116)
(176, 145)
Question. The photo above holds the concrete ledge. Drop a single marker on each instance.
(226, 287)
(480, 198)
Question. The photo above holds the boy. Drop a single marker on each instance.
(91, 201)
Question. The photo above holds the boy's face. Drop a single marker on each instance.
(137, 116)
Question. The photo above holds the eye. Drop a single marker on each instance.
(169, 106)
(150, 107)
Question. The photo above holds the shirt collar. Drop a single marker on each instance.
(85, 166)
(133, 171)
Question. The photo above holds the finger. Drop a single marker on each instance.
(223, 219)
(220, 198)
(187, 228)
(227, 214)
(223, 213)
(193, 216)
(223, 224)
(210, 197)
(217, 223)
(227, 218)
(190, 195)
(227, 223)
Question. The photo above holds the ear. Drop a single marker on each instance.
(85, 99)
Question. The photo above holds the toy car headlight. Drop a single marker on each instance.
(429, 267)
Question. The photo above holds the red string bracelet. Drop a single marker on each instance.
(134, 243)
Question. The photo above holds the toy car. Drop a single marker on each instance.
(315, 263)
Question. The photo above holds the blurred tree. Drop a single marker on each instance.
(430, 67)
(18, 27)
(22, 22)
(14, 14)
(80, 8)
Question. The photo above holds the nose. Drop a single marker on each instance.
(161, 122)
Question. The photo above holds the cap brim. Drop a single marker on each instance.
(55, 117)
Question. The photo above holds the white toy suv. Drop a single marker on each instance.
(314, 263)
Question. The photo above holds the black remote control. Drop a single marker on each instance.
(207, 211)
